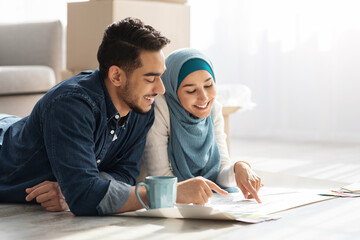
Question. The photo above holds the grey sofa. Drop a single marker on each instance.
(31, 61)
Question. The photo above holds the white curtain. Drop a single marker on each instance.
(301, 60)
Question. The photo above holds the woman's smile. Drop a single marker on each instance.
(203, 106)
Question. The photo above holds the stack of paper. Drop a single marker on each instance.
(352, 188)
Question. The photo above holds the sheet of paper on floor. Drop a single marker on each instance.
(273, 200)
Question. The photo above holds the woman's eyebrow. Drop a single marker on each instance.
(191, 85)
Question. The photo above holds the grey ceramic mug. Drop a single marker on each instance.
(160, 191)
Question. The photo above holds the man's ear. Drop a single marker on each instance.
(116, 76)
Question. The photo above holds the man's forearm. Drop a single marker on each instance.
(133, 203)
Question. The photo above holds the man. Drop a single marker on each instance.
(88, 132)
(84, 139)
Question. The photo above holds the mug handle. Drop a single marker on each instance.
(137, 194)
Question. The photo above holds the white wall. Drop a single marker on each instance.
(32, 10)
(301, 60)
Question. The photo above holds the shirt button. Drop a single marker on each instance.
(98, 161)
(117, 116)
(112, 131)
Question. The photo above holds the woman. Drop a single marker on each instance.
(187, 139)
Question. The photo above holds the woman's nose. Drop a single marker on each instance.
(202, 95)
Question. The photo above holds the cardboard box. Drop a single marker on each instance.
(88, 20)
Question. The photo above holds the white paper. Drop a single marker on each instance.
(234, 207)
(273, 200)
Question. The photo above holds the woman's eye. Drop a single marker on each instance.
(208, 86)
(190, 92)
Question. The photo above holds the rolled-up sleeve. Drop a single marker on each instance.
(113, 201)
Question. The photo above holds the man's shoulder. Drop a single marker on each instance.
(84, 85)
(79, 93)
(86, 80)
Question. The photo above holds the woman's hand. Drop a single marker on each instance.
(197, 190)
(247, 180)
(49, 195)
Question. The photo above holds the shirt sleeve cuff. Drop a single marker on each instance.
(226, 177)
(116, 196)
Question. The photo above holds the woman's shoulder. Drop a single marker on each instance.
(161, 104)
(216, 111)
(160, 101)
(161, 108)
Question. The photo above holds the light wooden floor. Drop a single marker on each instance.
(331, 220)
(329, 161)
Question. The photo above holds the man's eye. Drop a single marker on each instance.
(150, 80)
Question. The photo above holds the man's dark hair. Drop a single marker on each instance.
(122, 42)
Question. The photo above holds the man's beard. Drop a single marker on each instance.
(136, 108)
(129, 99)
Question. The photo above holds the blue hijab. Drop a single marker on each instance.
(192, 146)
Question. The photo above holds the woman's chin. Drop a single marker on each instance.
(201, 113)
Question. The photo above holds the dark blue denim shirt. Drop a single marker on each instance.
(74, 136)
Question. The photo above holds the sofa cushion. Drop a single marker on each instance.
(25, 79)
(34, 43)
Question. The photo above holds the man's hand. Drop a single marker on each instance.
(197, 190)
(247, 180)
(49, 195)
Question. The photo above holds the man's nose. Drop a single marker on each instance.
(159, 87)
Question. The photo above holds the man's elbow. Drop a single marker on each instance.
(81, 210)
